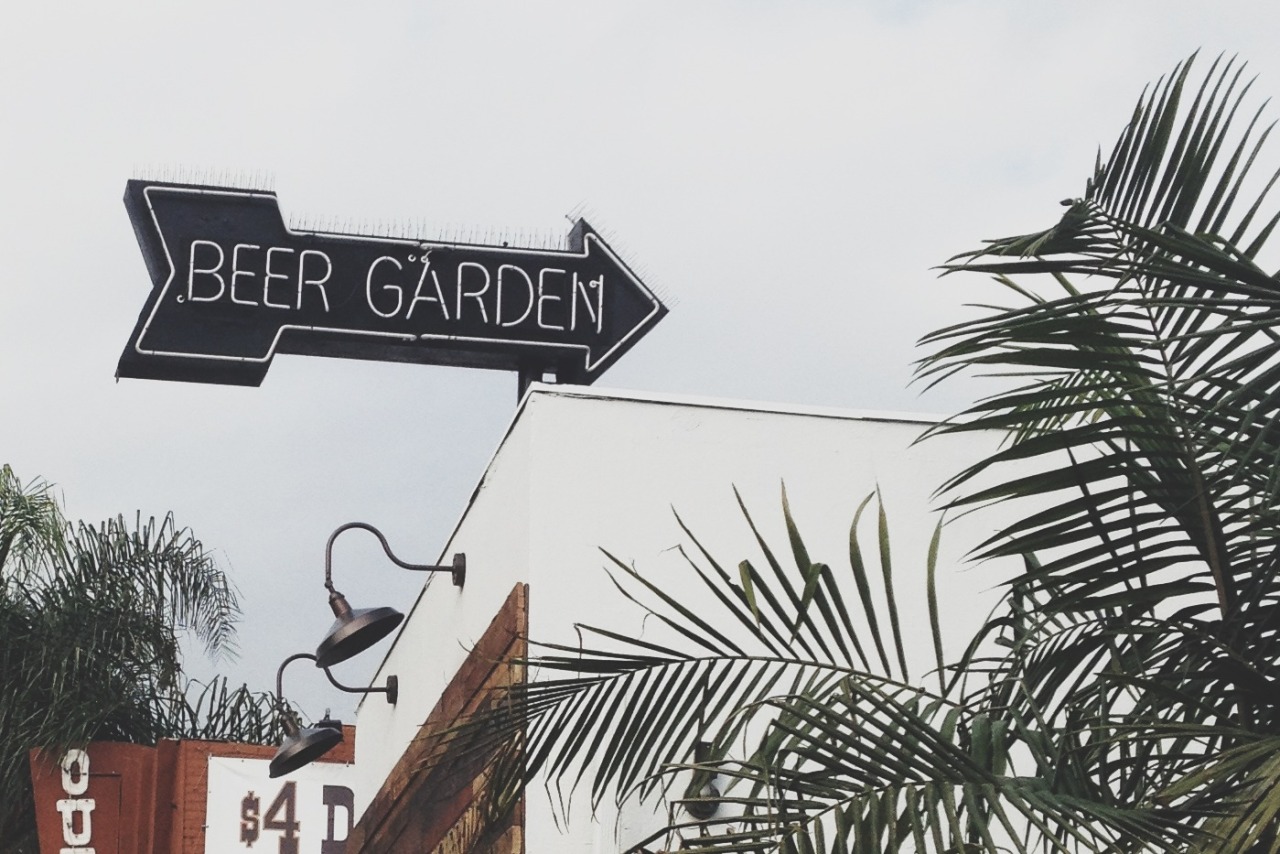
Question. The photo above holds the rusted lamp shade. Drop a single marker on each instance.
(354, 630)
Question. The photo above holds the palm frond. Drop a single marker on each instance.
(1151, 387)
(844, 757)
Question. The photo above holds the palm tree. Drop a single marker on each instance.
(1145, 347)
(91, 618)
(1125, 695)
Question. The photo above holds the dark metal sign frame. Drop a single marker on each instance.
(233, 285)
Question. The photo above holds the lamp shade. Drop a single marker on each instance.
(354, 631)
(704, 803)
(301, 748)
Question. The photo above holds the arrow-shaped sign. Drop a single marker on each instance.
(232, 285)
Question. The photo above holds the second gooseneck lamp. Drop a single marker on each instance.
(304, 745)
(356, 629)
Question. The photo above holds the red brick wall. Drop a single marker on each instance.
(434, 801)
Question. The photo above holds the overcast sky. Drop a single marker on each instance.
(788, 172)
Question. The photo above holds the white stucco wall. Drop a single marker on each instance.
(583, 469)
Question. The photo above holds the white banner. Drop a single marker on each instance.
(310, 811)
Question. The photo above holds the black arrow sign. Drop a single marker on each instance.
(232, 286)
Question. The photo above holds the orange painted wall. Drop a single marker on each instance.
(147, 800)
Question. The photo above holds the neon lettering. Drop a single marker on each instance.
(236, 272)
(368, 288)
(476, 295)
(192, 270)
(544, 297)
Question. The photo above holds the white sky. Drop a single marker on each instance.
(789, 172)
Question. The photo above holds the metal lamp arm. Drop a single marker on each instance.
(392, 689)
(458, 569)
(289, 722)
(280, 675)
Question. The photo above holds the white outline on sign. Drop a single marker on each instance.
(590, 238)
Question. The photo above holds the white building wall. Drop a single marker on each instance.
(445, 621)
(581, 470)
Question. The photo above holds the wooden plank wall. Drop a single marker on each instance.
(435, 803)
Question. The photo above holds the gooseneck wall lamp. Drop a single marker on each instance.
(305, 745)
(356, 629)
